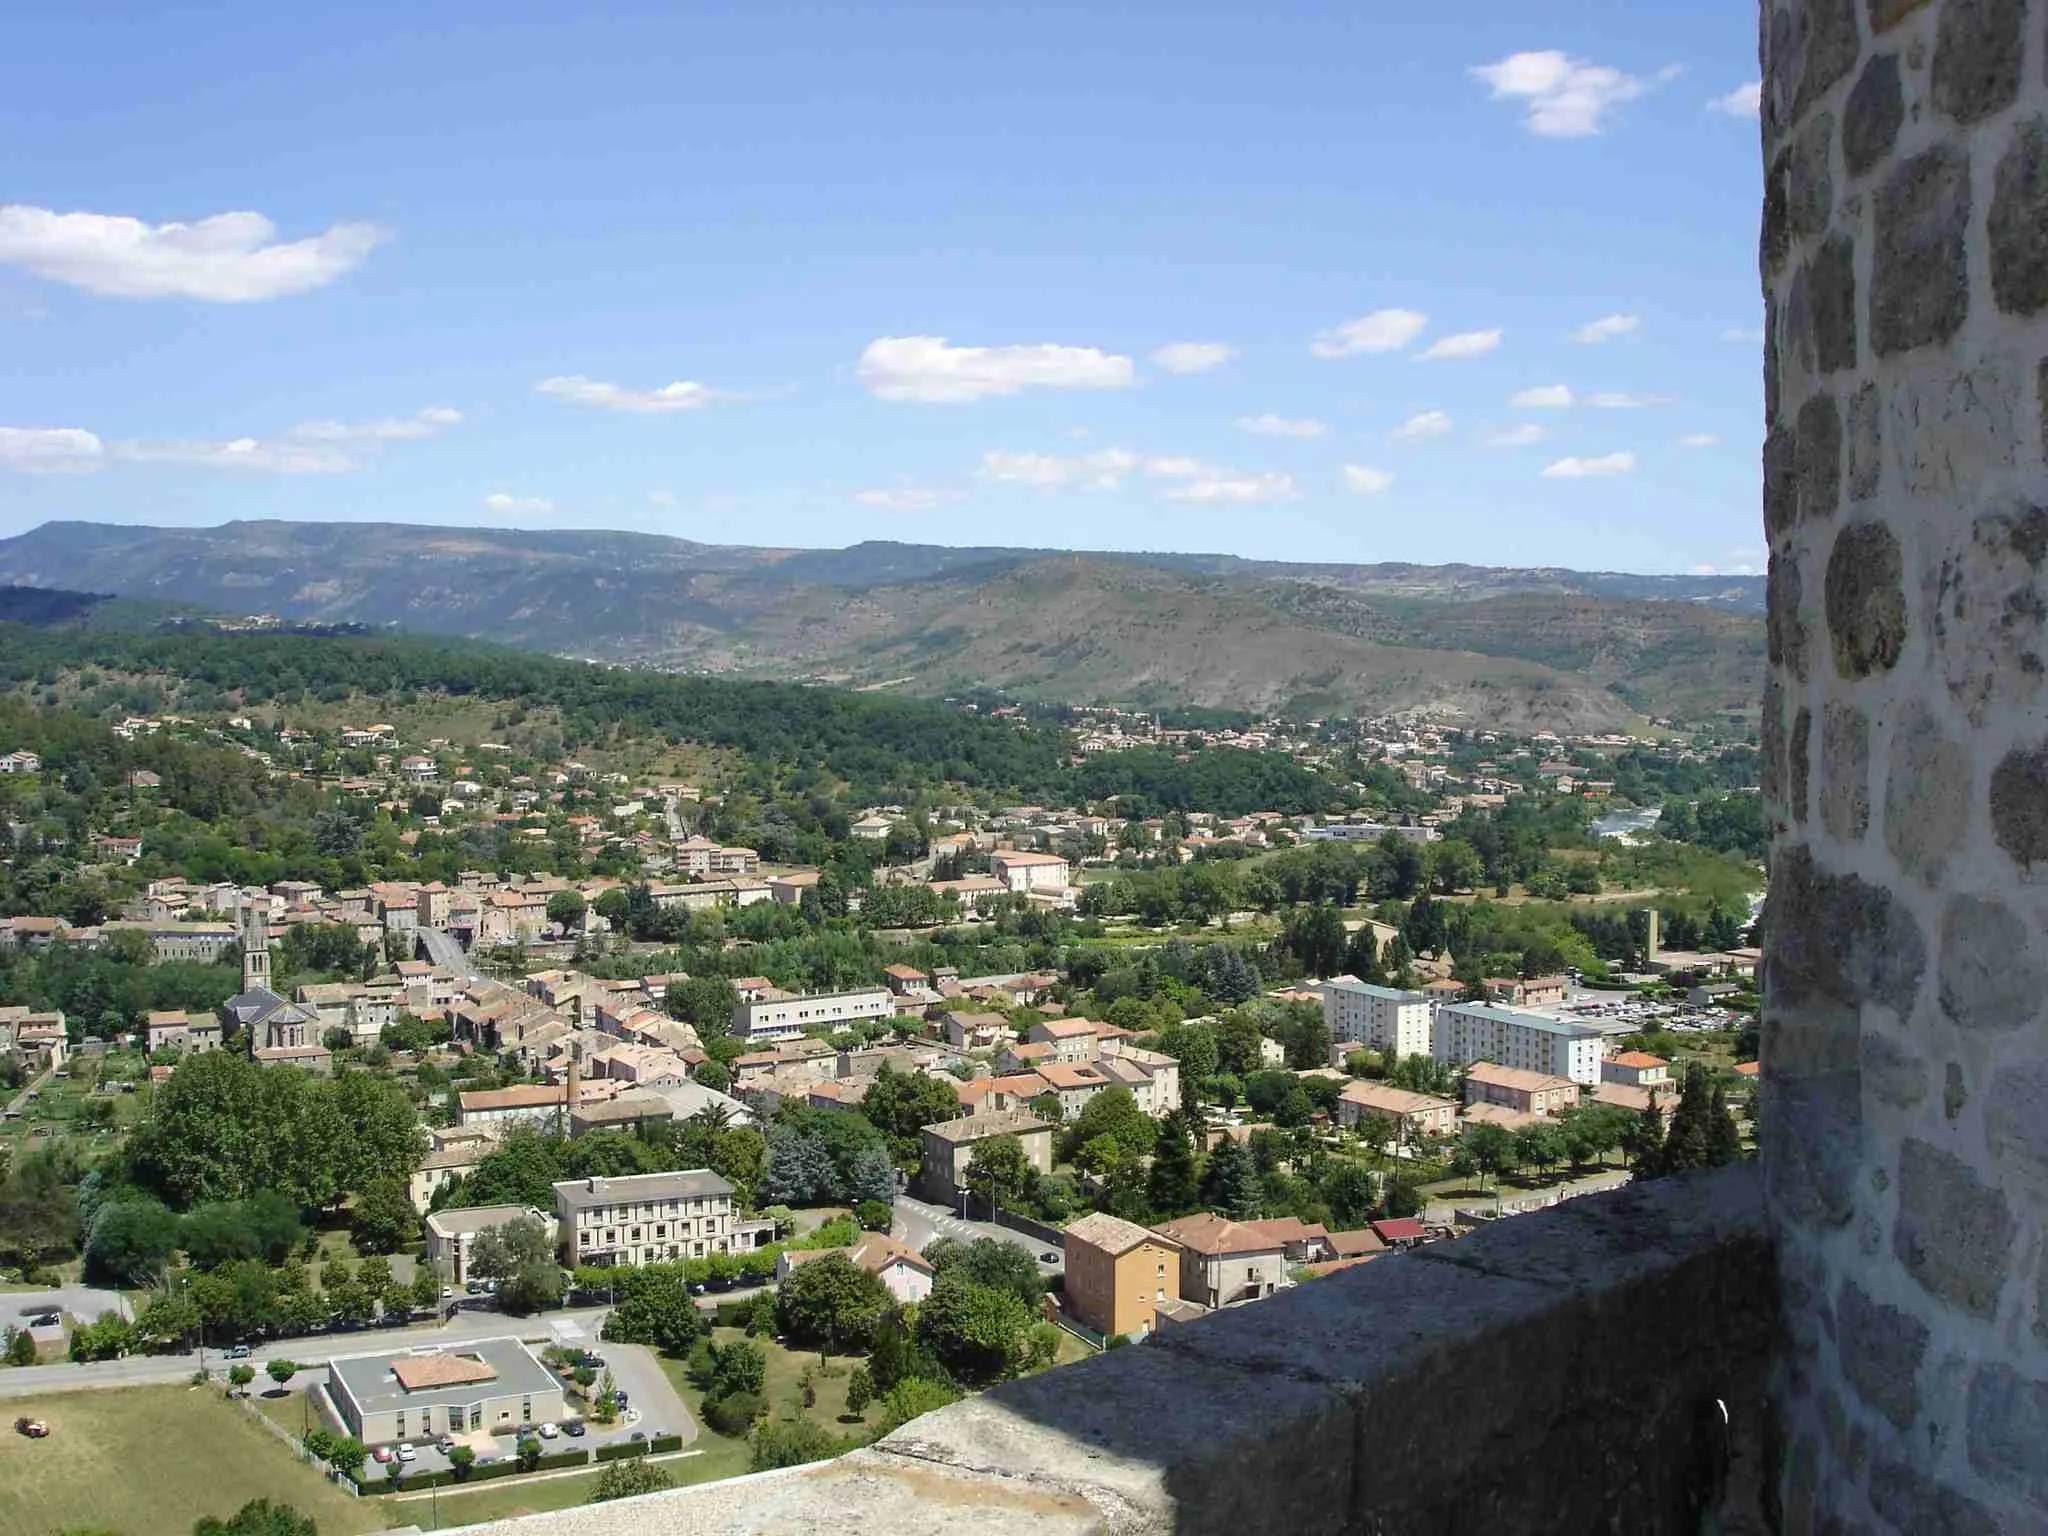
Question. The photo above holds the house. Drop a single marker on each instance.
(538, 1102)
(1400, 1231)
(1638, 1069)
(786, 1018)
(1072, 1040)
(949, 1148)
(1028, 1057)
(649, 1218)
(444, 1165)
(1223, 1262)
(452, 1234)
(1413, 1114)
(1527, 1093)
(900, 1268)
(194, 1034)
(21, 762)
(1022, 873)
(1535, 992)
(905, 979)
(1118, 1274)
(1074, 1083)
(975, 1031)
(1361, 1244)
(1498, 1115)
(1359, 1013)
(493, 1386)
(1152, 1076)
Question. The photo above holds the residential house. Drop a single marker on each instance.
(1518, 992)
(1073, 1040)
(902, 1270)
(949, 1148)
(193, 1034)
(451, 1235)
(1022, 873)
(1223, 1262)
(1525, 1092)
(1075, 1084)
(976, 1031)
(649, 1218)
(1638, 1069)
(1118, 1274)
(1414, 1114)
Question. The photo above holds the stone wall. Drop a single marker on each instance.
(1905, 1058)
(1602, 1366)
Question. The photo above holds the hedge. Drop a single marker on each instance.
(479, 1472)
(662, 1443)
(733, 1314)
(622, 1450)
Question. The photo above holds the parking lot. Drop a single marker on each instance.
(652, 1408)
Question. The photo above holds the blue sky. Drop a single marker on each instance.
(804, 275)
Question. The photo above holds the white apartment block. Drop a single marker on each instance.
(1515, 1037)
(790, 1018)
(1359, 1013)
(1023, 872)
(645, 1218)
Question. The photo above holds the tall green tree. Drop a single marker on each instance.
(1172, 1186)
(1230, 1184)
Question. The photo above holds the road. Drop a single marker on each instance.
(442, 949)
(571, 1327)
(918, 1223)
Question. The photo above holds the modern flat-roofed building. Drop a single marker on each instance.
(770, 1021)
(1360, 1013)
(649, 1218)
(452, 1234)
(1533, 1042)
(494, 1386)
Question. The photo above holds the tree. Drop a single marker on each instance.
(384, 1220)
(735, 1367)
(872, 1178)
(707, 1001)
(798, 1169)
(901, 1104)
(426, 1290)
(348, 1457)
(130, 1243)
(528, 1451)
(460, 1459)
(21, 1347)
(975, 1331)
(860, 1391)
(628, 1478)
(910, 1397)
(1491, 1149)
(873, 1216)
(655, 1309)
(109, 1338)
(988, 1261)
(1230, 1185)
(282, 1371)
(831, 1303)
(519, 1257)
(1171, 1187)
(1114, 1112)
(566, 909)
(997, 1169)
(1350, 1192)
(1724, 1142)
(791, 1443)
(240, 1375)
(1643, 1142)
(259, 1517)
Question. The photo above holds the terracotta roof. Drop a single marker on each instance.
(1515, 1077)
(1209, 1234)
(1351, 1245)
(418, 1373)
(1112, 1234)
(1641, 1060)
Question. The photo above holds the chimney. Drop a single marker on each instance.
(575, 1083)
(592, 1183)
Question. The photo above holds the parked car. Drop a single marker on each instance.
(573, 1429)
(444, 1445)
(35, 1429)
(239, 1352)
(407, 1453)
(1048, 1257)
(547, 1431)
(618, 1399)
(637, 1435)
(384, 1455)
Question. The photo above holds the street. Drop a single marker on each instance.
(918, 1223)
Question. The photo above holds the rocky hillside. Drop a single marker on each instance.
(1501, 646)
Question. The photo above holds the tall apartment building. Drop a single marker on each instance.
(775, 1020)
(1362, 1014)
(646, 1218)
(1533, 1042)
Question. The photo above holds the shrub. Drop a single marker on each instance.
(734, 1414)
(622, 1450)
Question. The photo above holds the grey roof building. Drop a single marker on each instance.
(492, 1385)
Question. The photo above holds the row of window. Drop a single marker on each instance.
(452, 1420)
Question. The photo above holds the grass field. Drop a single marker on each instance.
(783, 1392)
(151, 1459)
(499, 1501)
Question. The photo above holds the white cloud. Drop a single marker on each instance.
(900, 498)
(230, 258)
(505, 504)
(1606, 328)
(1621, 400)
(1698, 440)
(1563, 97)
(1590, 469)
(1365, 480)
(1423, 424)
(50, 450)
(1192, 356)
(1229, 486)
(1464, 344)
(1747, 334)
(927, 369)
(683, 395)
(1516, 437)
(1270, 425)
(1745, 101)
(1384, 330)
(311, 448)
(1545, 397)
(1103, 470)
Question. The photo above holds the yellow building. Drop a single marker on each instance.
(1118, 1274)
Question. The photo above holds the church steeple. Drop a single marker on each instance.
(255, 949)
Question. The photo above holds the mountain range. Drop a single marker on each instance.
(1514, 648)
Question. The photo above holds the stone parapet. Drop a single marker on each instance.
(1599, 1366)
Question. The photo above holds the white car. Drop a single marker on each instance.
(407, 1453)
(547, 1431)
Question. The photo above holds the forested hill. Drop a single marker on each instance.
(884, 749)
(1518, 649)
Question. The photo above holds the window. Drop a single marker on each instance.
(400, 1431)
(476, 1415)
(526, 1409)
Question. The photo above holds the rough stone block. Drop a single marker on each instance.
(1817, 461)
(1785, 625)
(1920, 281)
(1839, 939)
(2019, 805)
(1866, 442)
(1915, 1503)
(1992, 976)
(1781, 482)
(1929, 792)
(1774, 235)
(2007, 1417)
(1845, 772)
(1872, 115)
(2016, 1116)
(1799, 762)
(1954, 1233)
(1829, 41)
(1990, 613)
(1866, 600)
(1831, 293)
(1881, 1349)
(1810, 1142)
(2019, 214)
(1977, 53)
(1952, 432)
(1810, 188)
(1132, 1433)
(1892, 1074)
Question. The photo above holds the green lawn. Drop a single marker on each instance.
(144, 1460)
(783, 1391)
(502, 1500)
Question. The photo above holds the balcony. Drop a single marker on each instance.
(1599, 1366)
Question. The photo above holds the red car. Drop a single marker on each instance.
(35, 1429)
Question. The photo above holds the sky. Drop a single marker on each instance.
(1327, 281)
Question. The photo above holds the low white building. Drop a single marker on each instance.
(1022, 872)
(774, 1020)
(451, 1235)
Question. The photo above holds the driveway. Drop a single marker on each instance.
(20, 1308)
(918, 1223)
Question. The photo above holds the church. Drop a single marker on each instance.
(280, 1032)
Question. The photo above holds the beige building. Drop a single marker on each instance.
(493, 1386)
(1415, 1114)
(1223, 1261)
(649, 1218)
(949, 1148)
(1118, 1274)
(452, 1234)
(1022, 872)
(1528, 1093)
